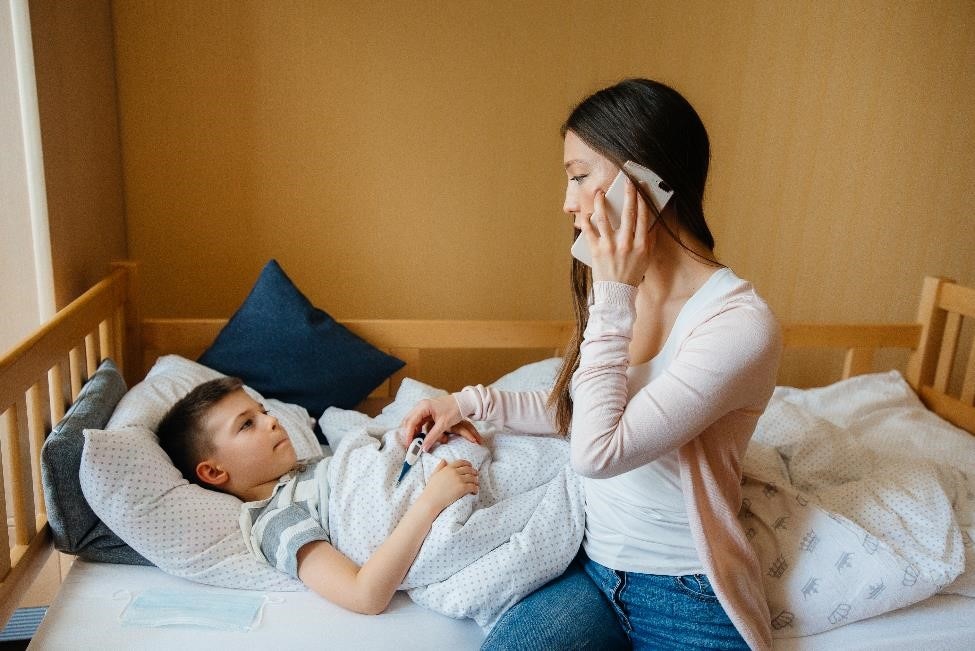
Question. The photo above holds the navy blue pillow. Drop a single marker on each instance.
(286, 348)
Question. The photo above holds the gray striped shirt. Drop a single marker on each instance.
(295, 515)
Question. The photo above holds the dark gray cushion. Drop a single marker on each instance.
(76, 528)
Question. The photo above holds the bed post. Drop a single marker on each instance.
(923, 363)
(131, 361)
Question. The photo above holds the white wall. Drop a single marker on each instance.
(26, 287)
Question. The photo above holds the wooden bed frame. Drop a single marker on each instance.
(41, 377)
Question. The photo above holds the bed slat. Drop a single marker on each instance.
(858, 361)
(968, 386)
(105, 344)
(75, 361)
(59, 388)
(921, 366)
(130, 323)
(949, 345)
(91, 355)
(948, 407)
(18, 462)
(38, 425)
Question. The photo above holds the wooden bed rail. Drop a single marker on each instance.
(39, 379)
(933, 340)
(407, 338)
(859, 341)
(941, 311)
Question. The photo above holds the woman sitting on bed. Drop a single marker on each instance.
(675, 358)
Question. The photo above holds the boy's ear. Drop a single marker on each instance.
(210, 473)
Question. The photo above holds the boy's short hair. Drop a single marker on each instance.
(181, 432)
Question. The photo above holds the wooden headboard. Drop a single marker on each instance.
(943, 307)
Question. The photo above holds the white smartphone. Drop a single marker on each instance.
(659, 192)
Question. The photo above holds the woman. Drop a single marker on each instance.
(673, 361)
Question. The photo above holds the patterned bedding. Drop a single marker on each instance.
(857, 500)
(485, 551)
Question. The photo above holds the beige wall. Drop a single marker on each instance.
(78, 105)
(20, 307)
(402, 159)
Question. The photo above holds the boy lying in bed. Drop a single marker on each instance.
(220, 438)
(511, 511)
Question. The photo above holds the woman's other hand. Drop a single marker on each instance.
(621, 255)
(441, 416)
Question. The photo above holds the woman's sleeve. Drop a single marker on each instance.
(521, 411)
(726, 363)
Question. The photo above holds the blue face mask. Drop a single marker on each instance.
(226, 611)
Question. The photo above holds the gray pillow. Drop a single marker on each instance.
(76, 528)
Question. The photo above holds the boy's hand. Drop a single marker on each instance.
(450, 482)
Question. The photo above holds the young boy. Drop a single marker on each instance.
(220, 438)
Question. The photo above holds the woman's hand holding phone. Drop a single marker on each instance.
(622, 254)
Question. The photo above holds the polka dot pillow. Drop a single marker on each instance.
(182, 528)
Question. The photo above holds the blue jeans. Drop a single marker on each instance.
(593, 607)
(568, 612)
(666, 612)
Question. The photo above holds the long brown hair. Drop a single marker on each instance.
(649, 123)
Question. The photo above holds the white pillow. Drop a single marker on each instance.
(182, 528)
(530, 377)
(335, 423)
(172, 377)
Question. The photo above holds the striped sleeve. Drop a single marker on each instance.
(282, 531)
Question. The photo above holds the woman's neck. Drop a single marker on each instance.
(676, 273)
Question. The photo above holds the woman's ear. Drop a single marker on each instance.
(210, 473)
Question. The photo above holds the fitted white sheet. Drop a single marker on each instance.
(85, 616)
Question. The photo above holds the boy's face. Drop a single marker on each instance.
(249, 444)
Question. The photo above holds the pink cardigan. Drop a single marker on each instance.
(705, 404)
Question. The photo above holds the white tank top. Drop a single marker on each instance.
(636, 521)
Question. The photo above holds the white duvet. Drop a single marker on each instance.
(485, 551)
(857, 500)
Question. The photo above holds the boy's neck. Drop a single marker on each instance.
(256, 493)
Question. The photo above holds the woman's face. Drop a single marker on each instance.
(587, 171)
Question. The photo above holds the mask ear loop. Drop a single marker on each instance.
(122, 594)
(260, 611)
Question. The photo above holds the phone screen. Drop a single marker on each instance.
(659, 192)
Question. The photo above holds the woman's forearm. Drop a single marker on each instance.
(523, 411)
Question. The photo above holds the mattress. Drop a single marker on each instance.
(939, 623)
(85, 615)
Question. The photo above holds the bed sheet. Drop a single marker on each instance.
(86, 616)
